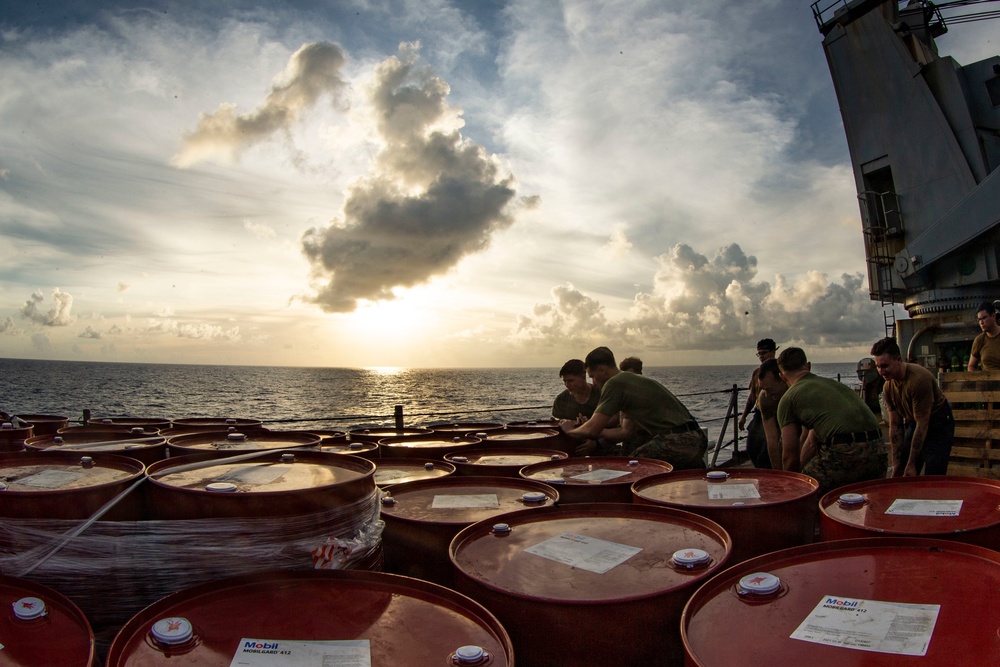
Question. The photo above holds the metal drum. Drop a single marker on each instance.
(762, 510)
(312, 618)
(398, 471)
(62, 485)
(224, 443)
(45, 424)
(269, 484)
(145, 447)
(12, 437)
(433, 446)
(463, 428)
(145, 423)
(329, 437)
(421, 518)
(599, 584)
(595, 479)
(500, 461)
(201, 424)
(42, 628)
(563, 442)
(366, 450)
(376, 434)
(521, 437)
(966, 509)
(876, 602)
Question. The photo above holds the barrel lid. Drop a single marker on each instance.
(433, 441)
(401, 470)
(588, 552)
(37, 472)
(747, 486)
(95, 440)
(374, 434)
(375, 613)
(226, 441)
(933, 505)
(457, 500)
(888, 577)
(464, 427)
(268, 473)
(42, 626)
(345, 447)
(603, 470)
(510, 457)
(518, 435)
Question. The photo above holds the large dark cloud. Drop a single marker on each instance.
(713, 303)
(432, 197)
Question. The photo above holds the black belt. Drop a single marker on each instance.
(860, 436)
(682, 428)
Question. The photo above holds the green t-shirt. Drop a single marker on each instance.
(643, 400)
(566, 407)
(829, 407)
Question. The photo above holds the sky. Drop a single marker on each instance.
(427, 183)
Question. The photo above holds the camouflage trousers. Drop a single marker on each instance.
(685, 451)
(837, 465)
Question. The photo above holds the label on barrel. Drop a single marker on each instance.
(253, 475)
(587, 553)
(272, 652)
(602, 475)
(904, 507)
(51, 479)
(735, 491)
(476, 501)
(870, 625)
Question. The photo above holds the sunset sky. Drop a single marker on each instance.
(427, 182)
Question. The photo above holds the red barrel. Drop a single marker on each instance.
(145, 447)
(145, 423)
(433, 446)
(762, 510)
(12, 437)
(591, 584)
(500, 461)
(42, 628)
(398, 471)
(376, 434)
(197, 424)
(462, 428)
(45, 424)
(348, 618)
(876, 602)
(62, 485)
(595, 479)
(522, 437)
(228, 443)
(366, 450)
(966, 509)
(269, 484)
(421, 518)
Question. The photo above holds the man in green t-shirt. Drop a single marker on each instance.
(986, 346)
(848, 440)
(645, 405)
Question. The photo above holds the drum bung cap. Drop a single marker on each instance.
(28, 609)
(469, 655)
(759, 583)
(460, 459)
(533, 497)
(172, 631)
(691, 558)
(221, 487)
(717, 475)
(235, 436)
(428, 466)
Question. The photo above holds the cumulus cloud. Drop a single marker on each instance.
(259, 230)
(713, 303)
(58, 315)
(312, 72)
(193, 330)
(90, 332)
(618, 246)
(432, 196)
(7, 325)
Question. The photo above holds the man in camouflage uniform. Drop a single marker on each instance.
(849, 445)
(646, 406)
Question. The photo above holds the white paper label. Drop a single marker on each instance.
(253, 475)
(51, 479)
(736, 491)
(272, 652)
(483, 501)
(600, 475)
(904, 507)
(870, 625)
(587, 553)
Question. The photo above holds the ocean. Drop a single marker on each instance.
(337, 398)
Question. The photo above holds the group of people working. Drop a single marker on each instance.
(801, 422)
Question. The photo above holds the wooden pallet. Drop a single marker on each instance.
(975, 402)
